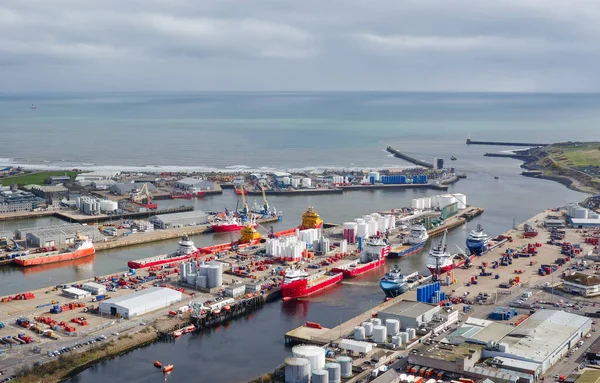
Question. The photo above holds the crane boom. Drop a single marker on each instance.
(244, 204)
(266, 204)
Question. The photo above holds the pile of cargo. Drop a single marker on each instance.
(80, 321)
(547, 269)
(23, 322)
(570, 249)
(56, 309)
(591, 240)
(332, 259)
(18, 297)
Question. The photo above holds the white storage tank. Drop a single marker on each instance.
(446, 199)
(381, 225)
(404, 337)
(297, 370)
(345, 365)
(412, 333)
(368, 328)
(379, 334)
(295, 182)
(362, 230)
(374, 175)
(372, 228)
(320, 376)
(316, 355)
(392, 221)
(335, 372)
(415, 203)
(359, 220)
(435, 201)
(375, 321)
(397, 340)
(359, 333)
(392, 326)
(580, 213)
(306, 182)
(215, 276)
(201, 282)
(462, 200)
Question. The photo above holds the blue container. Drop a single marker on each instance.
(372, 180)
(415, 179)
(360, 241)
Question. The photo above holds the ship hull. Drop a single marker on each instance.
(446, 268)
(61, 257)
(300, 289)
(392, 289)
(476, 247)
(141, 264)
(227, 228)
(360, 268)
(403, 251)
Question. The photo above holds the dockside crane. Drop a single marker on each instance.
(245, 209)
(265, 202)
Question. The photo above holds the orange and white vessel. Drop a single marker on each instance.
(82, 247)
(298, 283)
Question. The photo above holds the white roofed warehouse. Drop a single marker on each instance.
(140, 302)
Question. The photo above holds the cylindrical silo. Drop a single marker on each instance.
(191, 279)
(462, 200)
(368, 328)
(397, 340)
(335, 372)
(404, 336)
(415, 203)
(215, 276)
(320, 376)
(362, 229)
(376, 321)
(393, 326)
(379, 334)
(359, 333)
(345, 365)
(316, 355)
(297, 370)
(201, 282)
(412, 333)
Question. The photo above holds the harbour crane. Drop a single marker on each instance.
(265, 203)
(245, 210)
(143, 197)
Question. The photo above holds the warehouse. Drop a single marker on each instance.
(140, 302)
(75, 293)
(193, 184)
(582, 284)
(94, 288)
(126, 188)
(410, 314)
(60, 235)
(189, 218)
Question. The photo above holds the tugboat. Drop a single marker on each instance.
(311, 219)
(477, 241)
(395, 283)
(453, 158)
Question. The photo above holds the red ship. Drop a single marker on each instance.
(373, 256)
(181, 195)
(229, 224)
(82, 247)
(240, 191)
(185, 250)
(297, 283)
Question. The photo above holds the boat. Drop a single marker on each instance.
(240, 191)
(82, 247)
(496, 177)
(185, 250)
(440, 260)
(157, 364)
(33, 106)
(180, 195)
(200, 194)
(298, 283)
(311, 219)
(230, 223)
(477, 241)
(412, 243)
(374, 255)
(168, 368)
(177, 333)
(406, 250)
(453, 158)
(418, 234)
(394, 282)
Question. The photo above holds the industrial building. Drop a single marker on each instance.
(581, 217)
(75, 293)
(58, 235)
(48, 191)
(188, 218)
(87, 178)
(6, 234)
(527, 350)
(92, 206)
(140, 302)
(410, 314)
(582, 284)
(18, 200)
(55, 180)
(193, 184)
(94, 288)
(126, 188)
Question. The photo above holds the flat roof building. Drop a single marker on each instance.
(410, 314)
(58, 235)
(94, 288)
(140, 302)
(167, 221)
(126, 188)
(75, 293)
(582, 284)
(584, 222)
(190, 183)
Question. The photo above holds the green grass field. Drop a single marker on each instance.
(575, 156)
(34, 178)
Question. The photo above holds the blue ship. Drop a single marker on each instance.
(395, 283)
(477, 241)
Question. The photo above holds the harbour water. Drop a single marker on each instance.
(284, 132)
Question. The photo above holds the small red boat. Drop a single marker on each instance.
(181, 195)
(240, 191)
(157, 364)
(168, 368)
(200, 194)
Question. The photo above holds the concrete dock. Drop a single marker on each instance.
(473, 142)
(408, 158)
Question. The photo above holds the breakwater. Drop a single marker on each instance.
(515, 156)
(408, 158)
(501, 143)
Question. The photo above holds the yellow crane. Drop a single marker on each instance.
(142, 196)
(266, 204)
(245, 209)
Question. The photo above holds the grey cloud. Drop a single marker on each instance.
(518, 45)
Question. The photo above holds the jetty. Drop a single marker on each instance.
(515, 156)
(502, 143)
(408, 158)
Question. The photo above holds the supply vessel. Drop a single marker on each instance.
(477, 241)
(184, 251)
(440, 260)
(298, 283)
(230, 223)
(394, 282)
(412, 243)
(82, 247)
(374, 255)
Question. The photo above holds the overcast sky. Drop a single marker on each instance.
(199, 45)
